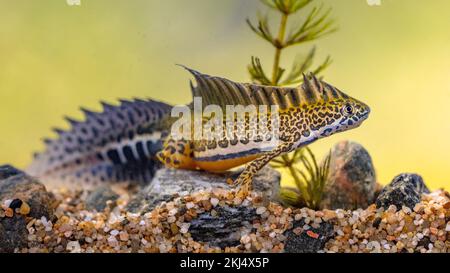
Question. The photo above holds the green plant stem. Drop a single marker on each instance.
(276, 64)
(314, 26)
(297, 181)
(279, 44)
(279, 47)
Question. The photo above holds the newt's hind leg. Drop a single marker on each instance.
(177, 154)
(245, 178)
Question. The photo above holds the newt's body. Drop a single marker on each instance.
(124, 148)
(312, 111)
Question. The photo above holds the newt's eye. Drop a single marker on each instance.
(348, 109)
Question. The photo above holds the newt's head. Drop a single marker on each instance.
(332, 111)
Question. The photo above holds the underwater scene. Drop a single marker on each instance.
(239, 126)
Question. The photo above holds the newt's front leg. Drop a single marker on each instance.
(246, 177)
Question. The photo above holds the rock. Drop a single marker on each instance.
(15, 184)
(405, 190)
(312, 240)
(97, 199)
(7, 171)
(425, 242)
(13, 233)
(168, 183)
(351, 181)
(225, 228)
(378, 189)
(18, 185)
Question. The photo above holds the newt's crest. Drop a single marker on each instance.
(222, 92)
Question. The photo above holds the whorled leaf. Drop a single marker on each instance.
(286, 6)
(262, 28)
(302, 66)
(309, 176)
(317, 24)
(257, 73)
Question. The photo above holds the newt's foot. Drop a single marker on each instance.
(244, 191)
(244, 182)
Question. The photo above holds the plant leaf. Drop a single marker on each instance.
(257, 73)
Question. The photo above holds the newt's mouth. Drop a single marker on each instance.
(365, 116)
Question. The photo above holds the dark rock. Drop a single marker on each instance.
(168, 183)
(15, 204)
(307, 243)
(17, 186)
(223, 230)
(424, 242)
(351, 181)
(13, 233)
(378, 189)
(29, 190)
(376, 223)
(97, 199)
(7, 171)
(405, 190)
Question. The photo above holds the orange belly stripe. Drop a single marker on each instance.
(223, 165)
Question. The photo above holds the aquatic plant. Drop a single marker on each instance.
(309, 178)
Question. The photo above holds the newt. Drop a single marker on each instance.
(125, 142)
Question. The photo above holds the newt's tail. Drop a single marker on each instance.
(116, 145)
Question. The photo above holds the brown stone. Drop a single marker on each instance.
(15, 184)
(351, 181)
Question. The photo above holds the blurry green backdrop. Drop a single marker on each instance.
(55, 57)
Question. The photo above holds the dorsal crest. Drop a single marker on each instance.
(316, 90)
(223, 92)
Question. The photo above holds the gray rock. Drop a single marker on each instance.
(223, 230)
(304, 243)
(405, 190)
(13, 233)
(7, 171)
(351, 181)
(15, 184)
(168, 183)
(97, 199)
(18, 185)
